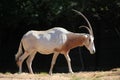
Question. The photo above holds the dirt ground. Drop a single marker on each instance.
(97, 75)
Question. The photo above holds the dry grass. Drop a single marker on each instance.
(101, 75)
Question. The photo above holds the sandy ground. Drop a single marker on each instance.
(99, 75)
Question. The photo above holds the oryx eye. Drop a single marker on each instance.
(89, 40)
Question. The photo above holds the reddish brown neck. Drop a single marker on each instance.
(75, 39)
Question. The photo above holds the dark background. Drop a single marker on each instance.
(19, 16)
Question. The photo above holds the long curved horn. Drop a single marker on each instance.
(91, 32)
(86, 28)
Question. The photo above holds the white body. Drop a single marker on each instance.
(45, 41)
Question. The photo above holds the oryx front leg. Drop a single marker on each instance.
(21, 59)
(29, 62)
(69, 62)
(55, 55)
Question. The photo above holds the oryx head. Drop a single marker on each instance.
(89, 42)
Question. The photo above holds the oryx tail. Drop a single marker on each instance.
(20, 52)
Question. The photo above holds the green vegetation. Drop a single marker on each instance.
(43, 12)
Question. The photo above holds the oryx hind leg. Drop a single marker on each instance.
(29, 61)
(21, 59)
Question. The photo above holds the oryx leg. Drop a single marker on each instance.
(21, 59)
(29, 62)
(55, 55)
(69, 62)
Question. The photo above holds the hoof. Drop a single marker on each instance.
(50, 73)
(31, 73)
(71, 72)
